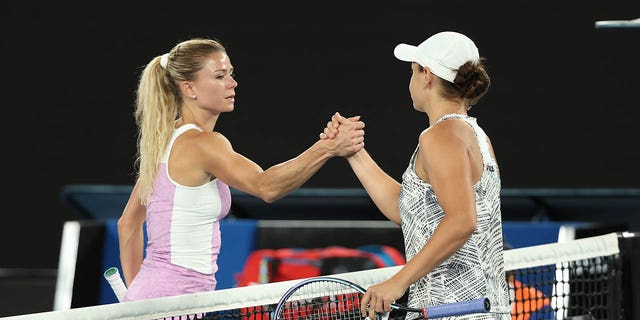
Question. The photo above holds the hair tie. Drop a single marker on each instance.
(164, 59)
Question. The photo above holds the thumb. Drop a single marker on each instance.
(339, 118)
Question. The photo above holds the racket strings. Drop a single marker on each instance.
(322, 301)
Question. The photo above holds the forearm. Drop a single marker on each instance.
(131, 235)
(279, 180)
(382, 188)
(447, 239)
(131, 242)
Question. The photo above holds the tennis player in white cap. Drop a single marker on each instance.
(448, 202)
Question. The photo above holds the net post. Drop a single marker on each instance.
(629, 243)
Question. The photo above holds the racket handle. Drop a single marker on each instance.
(113, 277)
(480, 305)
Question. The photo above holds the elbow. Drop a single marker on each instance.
(126, 225)
(268, 195)
(269, 200)
(123, 224)
(467, 228)
(462, 228)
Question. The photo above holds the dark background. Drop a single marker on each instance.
(562, 110)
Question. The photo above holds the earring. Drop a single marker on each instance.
(193, 97)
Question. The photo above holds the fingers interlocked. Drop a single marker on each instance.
(350, 129)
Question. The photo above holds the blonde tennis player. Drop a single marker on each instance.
(186, 168)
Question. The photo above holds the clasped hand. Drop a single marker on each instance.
(350, 130)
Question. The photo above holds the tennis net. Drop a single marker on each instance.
(578, 279)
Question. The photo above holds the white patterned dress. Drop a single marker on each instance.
(477, 269)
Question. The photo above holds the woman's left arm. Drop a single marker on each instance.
(131, 236)
(445, 157)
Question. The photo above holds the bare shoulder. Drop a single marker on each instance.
(205, 139)
(202, 142)
(447, 132)
(214, 139)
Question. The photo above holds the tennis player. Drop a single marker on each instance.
(186, 168)
(448, 203)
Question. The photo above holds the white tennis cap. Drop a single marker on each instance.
(443, 53)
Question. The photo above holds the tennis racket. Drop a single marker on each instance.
(115, 281)
(322, 298)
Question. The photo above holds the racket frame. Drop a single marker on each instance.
(480, 303)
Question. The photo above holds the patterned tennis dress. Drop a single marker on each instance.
(183, 230)
(477, 269)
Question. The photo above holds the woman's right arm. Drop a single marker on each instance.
(217, 157)
(382, 188)
(131, 235)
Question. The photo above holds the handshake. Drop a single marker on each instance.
(345, 136)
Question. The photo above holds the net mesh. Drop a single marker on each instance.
(578, 279)
(587, 288)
